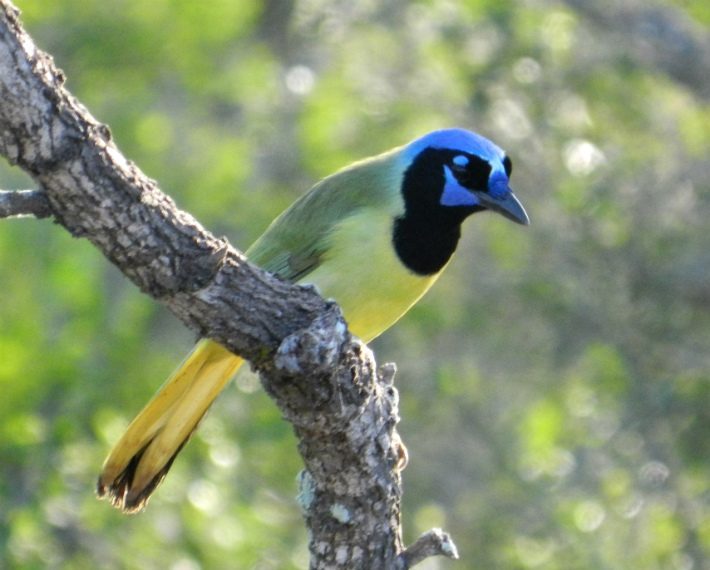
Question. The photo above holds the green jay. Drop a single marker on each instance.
(397, 214)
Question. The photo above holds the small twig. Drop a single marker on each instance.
(24, 203)
(435, 542)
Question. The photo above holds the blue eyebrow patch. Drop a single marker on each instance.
(461, 160)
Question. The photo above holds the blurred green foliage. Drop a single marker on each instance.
(554, 385)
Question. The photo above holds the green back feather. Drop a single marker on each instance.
(295, 242)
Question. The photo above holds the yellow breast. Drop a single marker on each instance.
(362, 273)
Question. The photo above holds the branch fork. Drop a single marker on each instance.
(343, 408)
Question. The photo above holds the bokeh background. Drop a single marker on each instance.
(554, 385)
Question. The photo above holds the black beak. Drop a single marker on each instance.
(508, 206)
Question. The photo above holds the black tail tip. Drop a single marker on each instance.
(123, 495)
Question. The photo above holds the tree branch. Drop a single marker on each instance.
(96, 193)
(327, 385)
(24, 203)
(432, 543)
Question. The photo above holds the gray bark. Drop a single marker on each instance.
(24, 203)
(343, 409)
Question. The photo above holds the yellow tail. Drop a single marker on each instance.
(142, 457)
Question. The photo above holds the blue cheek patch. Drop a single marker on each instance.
(454, 194)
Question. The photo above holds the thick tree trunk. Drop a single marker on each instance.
(343, 410)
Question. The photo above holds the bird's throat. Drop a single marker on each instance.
(425, 245)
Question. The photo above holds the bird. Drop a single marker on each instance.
(374, 236)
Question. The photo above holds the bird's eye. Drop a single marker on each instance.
(460, 162)
(469, 170)
(508, 166)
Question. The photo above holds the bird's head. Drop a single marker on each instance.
(457, 172)
(448, 175)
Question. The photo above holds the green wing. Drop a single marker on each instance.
(297, 241)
